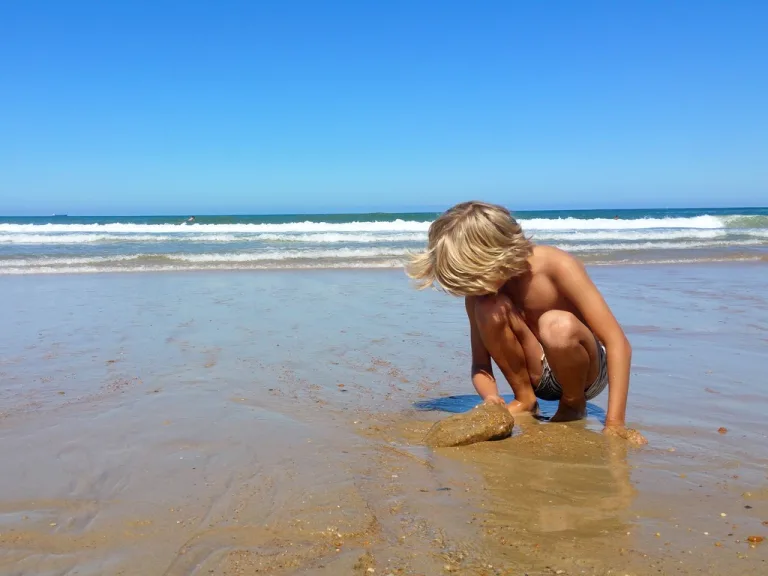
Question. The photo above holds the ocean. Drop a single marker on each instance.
(78, 244)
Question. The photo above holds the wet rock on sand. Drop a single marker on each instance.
(484, 422)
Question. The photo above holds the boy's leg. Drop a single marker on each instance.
(572, 355)
(512, 346)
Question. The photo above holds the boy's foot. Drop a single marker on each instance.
(570, 411)
(517, 408)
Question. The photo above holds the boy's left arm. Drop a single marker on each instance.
(575, 284)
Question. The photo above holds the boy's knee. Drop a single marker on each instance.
(493, 312)
(559, 330)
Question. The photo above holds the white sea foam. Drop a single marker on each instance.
(69, 261)
(395, 231)
(338, 238)
(323, 257)
(218, 266)
(609, 247)
(629, 235)
(295, 227)
(342, 253)
(233, 257)
(340, 264)
(704, 222)
(701, 222)
(24, 238)
(321, 238)
(95, 247)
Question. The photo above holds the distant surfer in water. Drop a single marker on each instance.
(190, 220)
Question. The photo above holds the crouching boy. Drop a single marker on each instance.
(533, 310)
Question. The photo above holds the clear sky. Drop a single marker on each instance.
(249, 107)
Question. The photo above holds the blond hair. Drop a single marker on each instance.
(473, 248)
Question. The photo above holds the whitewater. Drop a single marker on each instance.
(120, 244)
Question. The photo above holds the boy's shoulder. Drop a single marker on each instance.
(550, 260)
(559, 270)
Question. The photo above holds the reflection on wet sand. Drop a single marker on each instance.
(550, 495)
(557, 483)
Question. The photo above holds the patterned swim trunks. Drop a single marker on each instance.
(550, 389)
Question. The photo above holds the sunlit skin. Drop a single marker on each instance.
(554, 307)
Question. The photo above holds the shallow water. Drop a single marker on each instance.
(216, 423)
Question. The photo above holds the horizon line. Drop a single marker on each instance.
(421, 210)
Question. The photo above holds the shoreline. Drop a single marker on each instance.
(4, 270)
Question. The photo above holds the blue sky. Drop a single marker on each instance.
(251, 107)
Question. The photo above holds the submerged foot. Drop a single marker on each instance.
(569, 411)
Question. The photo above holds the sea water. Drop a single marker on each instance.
(59, 244)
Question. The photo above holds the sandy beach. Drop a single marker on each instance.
(270, 422)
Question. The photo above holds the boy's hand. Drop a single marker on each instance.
(494, 399)
(620, 431)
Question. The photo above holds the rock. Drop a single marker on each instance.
(484, 422)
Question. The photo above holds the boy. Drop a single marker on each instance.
(533, 310)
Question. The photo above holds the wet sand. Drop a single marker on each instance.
(246, 423)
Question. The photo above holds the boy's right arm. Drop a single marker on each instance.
(482, 371)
